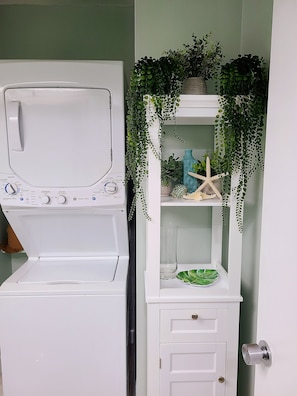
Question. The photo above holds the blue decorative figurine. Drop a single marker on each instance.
(190, 182)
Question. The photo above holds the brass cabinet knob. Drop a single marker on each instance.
(221, 380)
(194, 316)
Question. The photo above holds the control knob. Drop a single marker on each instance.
(110, 187)
(62, 199)
(45, 199)
(11, 188)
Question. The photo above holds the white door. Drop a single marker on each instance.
(277, 312)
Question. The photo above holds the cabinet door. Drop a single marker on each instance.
(192, 369)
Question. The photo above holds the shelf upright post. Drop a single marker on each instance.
(235, 245)
(153, 196)
(152, 275)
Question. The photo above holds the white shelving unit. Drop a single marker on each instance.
(192, 332)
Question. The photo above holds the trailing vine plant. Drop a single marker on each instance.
(240, 122)
(158, 80)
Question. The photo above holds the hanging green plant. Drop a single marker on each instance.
(239, 124)
(158, 80)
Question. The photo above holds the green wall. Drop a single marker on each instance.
(68, 32)
(165, 24)
(256, 27)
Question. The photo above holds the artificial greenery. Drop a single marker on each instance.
(157, 80)
(239, 125)
(240, 121)
(160, 81)
(201, 58)
(216, 163)
(171, 170)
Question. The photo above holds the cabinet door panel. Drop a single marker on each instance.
(193, 325)
(192, 389)
(192, 369)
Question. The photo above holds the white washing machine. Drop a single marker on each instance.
(63, 314)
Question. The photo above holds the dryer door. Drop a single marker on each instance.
(59, 137)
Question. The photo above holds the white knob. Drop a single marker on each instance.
(11, 188)
(61, 199)
(110, 188)
(45, 199)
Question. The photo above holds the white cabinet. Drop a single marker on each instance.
(192, 369)
(192, 332)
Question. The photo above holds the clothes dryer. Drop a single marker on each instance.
(63, 314)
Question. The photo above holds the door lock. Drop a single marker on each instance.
(257, 353)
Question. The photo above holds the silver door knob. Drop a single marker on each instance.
(257, 353)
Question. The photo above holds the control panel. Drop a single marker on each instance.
(15, 192)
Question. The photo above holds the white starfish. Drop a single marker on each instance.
(208, 179)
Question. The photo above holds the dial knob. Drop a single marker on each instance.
(62, 199)
(11, 188)
(111, 187)
(45, 199)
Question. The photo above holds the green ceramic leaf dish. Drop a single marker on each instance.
(201, 277)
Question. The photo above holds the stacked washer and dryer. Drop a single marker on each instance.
(63, 314)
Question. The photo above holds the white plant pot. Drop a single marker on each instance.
(166, 190)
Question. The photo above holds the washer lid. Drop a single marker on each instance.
(83, 232)
(72, 270)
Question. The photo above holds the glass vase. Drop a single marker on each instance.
(189, 181)
(168, 256)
